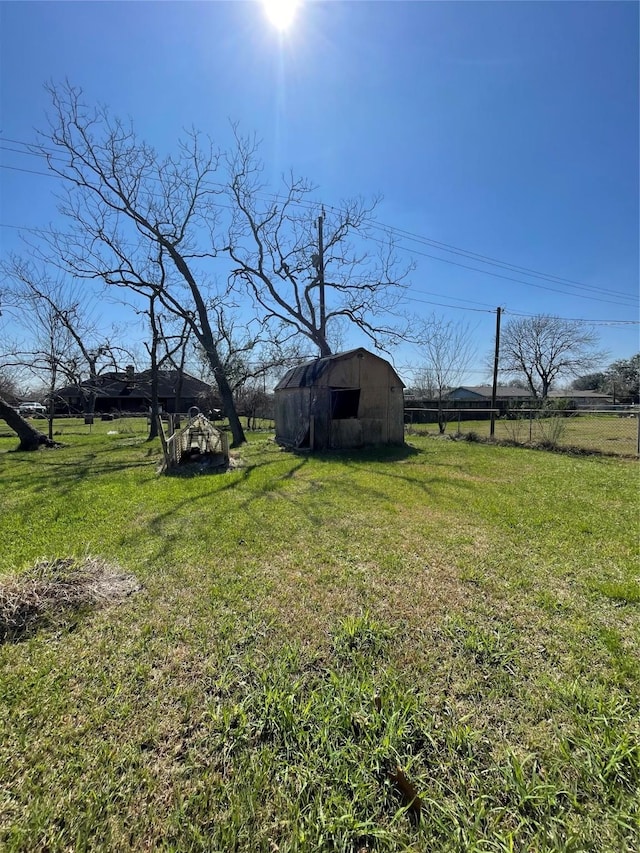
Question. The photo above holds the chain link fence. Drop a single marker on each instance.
(610, 432)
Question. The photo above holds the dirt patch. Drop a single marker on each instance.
(53, 590)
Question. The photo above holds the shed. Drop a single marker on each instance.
(351, 399)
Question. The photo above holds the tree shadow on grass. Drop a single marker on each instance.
(68, 472)
(364, 455)
(316, 493)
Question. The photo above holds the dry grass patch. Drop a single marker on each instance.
(51, 590)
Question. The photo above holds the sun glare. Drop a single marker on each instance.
(281, 13)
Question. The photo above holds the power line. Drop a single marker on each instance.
(579, 319)
(422, 240)
(518, 280)
(443, 305)
(495, 262)
(484, 310)
(30, 171)
(466, 253)
(28, 145)
(487, 305)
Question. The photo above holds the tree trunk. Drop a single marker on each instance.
(155, 405)
(52, 406)
(30, 437)
(90, 400)
(442, 423)
(224, 389)
(323, 346)
(226, 395)
(205, 336)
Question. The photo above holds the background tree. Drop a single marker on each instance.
(137, 220)
(423, 385)
(447, 349)
(46, 351)
(9, 388)
(621, 379)
(252, 355)
(624, 379)
(543, 348)
(254, 402)
(304, 270)
(591, 382)
(61, 309)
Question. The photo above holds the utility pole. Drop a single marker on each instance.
(323, 313)
(494, 388)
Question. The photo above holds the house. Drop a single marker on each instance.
(507, 397)
(348, 400)
(583, 399)
(479, 397)
(131, 392)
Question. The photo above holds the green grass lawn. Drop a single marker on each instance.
(465, 612)
(611, 434)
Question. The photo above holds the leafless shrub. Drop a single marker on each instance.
(551, 430)
(516, 429)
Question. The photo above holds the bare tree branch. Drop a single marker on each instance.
(273, 243)
(543, 348)
(136, 218)
(447, 349)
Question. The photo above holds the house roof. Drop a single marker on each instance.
(307, 374)
(508, 391)
(487, 391)
(573, 394)
(117, 385)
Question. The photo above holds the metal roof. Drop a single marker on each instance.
(306, 375)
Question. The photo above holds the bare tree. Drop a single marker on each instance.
(305, 270)
(447, 348)
(137, 220)
(46, 350)
(163, 348)
(423, 384)
(8, 386)
(252, 355)
(543, 348)
(63, 313)
(253, 401)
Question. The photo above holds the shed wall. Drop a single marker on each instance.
(292, 415)
(380, 410)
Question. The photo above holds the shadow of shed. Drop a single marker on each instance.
(348, 400)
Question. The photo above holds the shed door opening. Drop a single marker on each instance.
(344, 403)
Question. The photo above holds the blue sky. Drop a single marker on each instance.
(505, 129)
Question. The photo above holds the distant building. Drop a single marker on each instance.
(473, 402)
(348, 400)
(131, 392)
(479, 396)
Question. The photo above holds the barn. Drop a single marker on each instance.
(351, 399)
